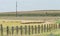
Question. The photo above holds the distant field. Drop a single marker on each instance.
(50, 14)
(33, 13)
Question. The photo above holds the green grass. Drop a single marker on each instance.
(58, 21)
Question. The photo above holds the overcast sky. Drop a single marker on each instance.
(24, 5)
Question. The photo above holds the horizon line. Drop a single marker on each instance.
(28, 10)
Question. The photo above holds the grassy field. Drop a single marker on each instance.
(10, 19)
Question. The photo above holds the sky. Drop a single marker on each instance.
(28, 5)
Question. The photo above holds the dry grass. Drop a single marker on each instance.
(16, 21)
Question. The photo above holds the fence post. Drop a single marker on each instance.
(44, 27)
(7, 30)
(25, 29)
(29, 29)
(50, 27)
(35, 29)
(12, 30)
(1, 30)
(59, 26)
(17, 30)
(56, 26)
(41, 28)
(38, 29)
(47, 27)
(32, 29)
(21, 30)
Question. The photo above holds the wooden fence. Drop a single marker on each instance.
(28, 29)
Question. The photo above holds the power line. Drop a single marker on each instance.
(16, 8)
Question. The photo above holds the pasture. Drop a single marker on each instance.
(16, 27)
(48, 23)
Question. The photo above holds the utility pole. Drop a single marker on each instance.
(16, 8)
